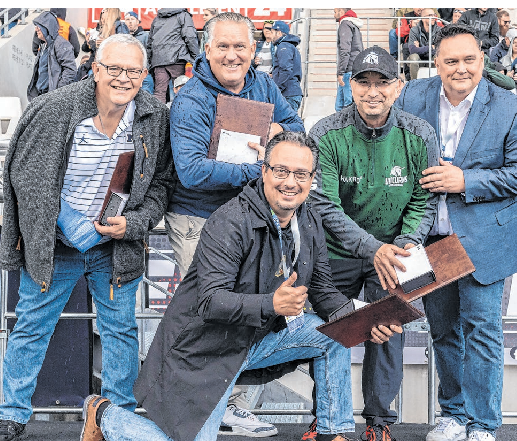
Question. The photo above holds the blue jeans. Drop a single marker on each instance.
(38, 313)
(344, 93)
(148, 83)
(393, 42)
(331, 375)
(294, 101)
(466, 326)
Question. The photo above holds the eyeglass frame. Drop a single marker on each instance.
(309, 176)
(505, 22)
(385, 85)
(122, 70)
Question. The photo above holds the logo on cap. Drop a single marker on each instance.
(371, 58)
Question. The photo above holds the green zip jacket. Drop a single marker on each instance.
(372, 176)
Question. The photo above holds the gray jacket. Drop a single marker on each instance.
(35, 167)
(349, 43)
(172, 38)
(61, 60)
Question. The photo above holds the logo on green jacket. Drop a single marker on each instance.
(396, 179)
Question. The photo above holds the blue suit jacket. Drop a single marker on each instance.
(485, 219)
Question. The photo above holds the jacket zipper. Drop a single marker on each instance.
(146, 156)
(371, 177)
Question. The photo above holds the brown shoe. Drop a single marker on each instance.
(91, 431)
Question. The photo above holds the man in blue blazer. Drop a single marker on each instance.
(476, 124)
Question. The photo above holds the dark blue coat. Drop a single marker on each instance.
(287, 66)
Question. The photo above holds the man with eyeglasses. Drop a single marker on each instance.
(58, 168)
(373, 208)
(503, 18)
(206, 184)
(259, 258)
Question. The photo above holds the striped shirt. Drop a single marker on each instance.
(92, 162)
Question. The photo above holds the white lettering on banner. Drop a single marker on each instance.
(266, 12)
(151, 11)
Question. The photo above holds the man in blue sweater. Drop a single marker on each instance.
(204, 184)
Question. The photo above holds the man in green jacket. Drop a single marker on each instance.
(373, 208)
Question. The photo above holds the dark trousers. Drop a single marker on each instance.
(163, 75)
(382, 364)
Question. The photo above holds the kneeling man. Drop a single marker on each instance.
(260, 256)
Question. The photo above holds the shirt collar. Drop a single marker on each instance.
(466, 103)
(127, 118)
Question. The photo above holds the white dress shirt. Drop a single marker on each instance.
(452, 124)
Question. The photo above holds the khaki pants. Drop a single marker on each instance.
(183, 231)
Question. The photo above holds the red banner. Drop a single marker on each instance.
(147, 15)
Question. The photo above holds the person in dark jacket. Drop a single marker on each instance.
(55, 64)
(65, 30)
(60, 139)
(133, 24)
(264, 52)
(418, 41)
(501, 50)
(240, 307)
(485, 23)
(287, 64)
(206, 184)
(349, 44)
(172, 43)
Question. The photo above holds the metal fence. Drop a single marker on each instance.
(21, 16)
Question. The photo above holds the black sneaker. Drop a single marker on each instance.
(12, 431)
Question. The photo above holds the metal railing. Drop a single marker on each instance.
(400, 61)
(415, 326)
(4, 28)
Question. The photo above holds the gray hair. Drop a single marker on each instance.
(297, 138)
(122, 39)
(229, 16)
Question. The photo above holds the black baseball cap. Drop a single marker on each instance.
(375, 59)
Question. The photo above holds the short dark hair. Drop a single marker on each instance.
(452, 30)
(296, 138)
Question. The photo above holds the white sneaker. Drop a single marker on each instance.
(447, 429)
(237, 421)
(481, 436)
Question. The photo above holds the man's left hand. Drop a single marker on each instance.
(275, 128)
(116, 228)
(444, 178)
(381, 334)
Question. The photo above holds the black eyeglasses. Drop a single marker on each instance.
(283, 173)
(115, 71)
(507, 22)
(267, 28)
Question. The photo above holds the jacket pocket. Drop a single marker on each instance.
(485, 153)
(506, 214)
